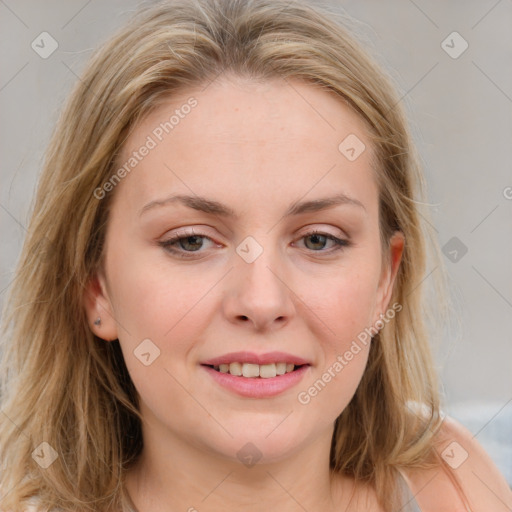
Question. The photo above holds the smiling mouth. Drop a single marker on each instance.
(255, 371)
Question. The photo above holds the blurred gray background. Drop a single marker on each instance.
(459, 102)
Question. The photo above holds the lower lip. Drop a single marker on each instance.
(256, 387)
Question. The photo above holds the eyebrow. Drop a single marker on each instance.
(210, 206)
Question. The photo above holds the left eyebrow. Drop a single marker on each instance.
(210, 206)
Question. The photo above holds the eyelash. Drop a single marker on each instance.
(167, 244)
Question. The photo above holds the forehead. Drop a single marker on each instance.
(248, 136)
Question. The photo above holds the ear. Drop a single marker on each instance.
(99, 310)
(388, 275)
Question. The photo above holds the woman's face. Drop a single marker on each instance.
(235, 273)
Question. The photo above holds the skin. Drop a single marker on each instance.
(256, 147)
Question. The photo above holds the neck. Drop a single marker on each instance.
(186, 477)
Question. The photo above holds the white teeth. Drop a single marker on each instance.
(267, 371)
(250, 370)
(235, 369)
(280, 368)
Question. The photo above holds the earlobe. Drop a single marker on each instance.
(99, 311)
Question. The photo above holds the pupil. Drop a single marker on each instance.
(316, 239)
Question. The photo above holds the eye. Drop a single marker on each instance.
(319, 239)
(187, 243)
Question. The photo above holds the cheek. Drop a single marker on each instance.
(149, 298)
(345, 308)
(158, 313)
(345, 304)
(357, 296)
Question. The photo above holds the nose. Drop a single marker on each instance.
(259, 294)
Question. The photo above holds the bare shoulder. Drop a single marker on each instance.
(466, 463)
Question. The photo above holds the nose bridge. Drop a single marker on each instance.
(259, 291)
(260, 266)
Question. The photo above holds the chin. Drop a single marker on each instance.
(251, 446)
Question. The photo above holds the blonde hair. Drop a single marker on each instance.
(64, 386)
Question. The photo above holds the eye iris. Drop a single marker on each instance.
(315, 237)
(186, 240)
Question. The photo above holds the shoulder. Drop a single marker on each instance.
(479, 476)
(466, 467)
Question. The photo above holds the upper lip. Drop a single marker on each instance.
(253, 358)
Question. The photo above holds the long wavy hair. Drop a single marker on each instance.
(63, 386)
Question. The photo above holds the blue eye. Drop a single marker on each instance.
(184, 245)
